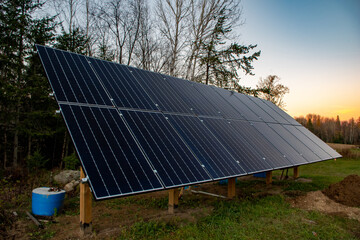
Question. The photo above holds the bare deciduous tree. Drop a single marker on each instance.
(272, 90)
(203, 15)
(172, 25)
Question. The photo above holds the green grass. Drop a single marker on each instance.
(269, 217)
(322, 174)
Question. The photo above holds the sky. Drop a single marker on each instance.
(313, 46)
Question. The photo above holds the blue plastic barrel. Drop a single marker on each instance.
(45, 202)
(225, 181)
(260, 175)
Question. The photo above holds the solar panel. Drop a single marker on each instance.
(137, 131)
(211, 152)
(172, 159)
(111, 157)
(281, 144)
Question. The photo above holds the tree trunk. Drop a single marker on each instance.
(16, 137)
(29, 146)
(5, 148)
(63, 150)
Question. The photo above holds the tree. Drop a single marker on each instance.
(221, 62)
(202, 20)
(172, 25)
(19, 31)
(74, 41)
(272, 90)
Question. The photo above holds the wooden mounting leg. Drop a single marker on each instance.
(173, 200)
(269, 177)
(296, 172)
(231, 188)
(85, 206)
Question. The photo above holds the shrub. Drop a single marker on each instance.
(71, 162)
(36, 161)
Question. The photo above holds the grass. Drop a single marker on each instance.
(269, 217)
(322, 174)
(266, 218)
(252, 215)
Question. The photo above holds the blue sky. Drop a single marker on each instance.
(313, 46)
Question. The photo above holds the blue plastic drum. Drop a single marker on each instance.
(45, 202)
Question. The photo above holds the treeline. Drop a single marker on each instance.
(332, 130)
(193, 39)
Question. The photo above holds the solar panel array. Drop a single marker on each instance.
(137, 131)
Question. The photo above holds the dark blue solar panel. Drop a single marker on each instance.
(282, 113)
(249, 159)
(158, 88)
(257, 110)
(319, 142)
(122, 86)
(219, 103)
(197, 103)
(261, 145)
(171, 158)
(138, 131)
(270, 111)
(72, 77)
(301, 148)
(282, 145)
(110, 156)
(211, 153)
(233, 100)
(309, 143)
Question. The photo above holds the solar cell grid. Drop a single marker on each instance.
(282, 113)
(156, 86)
(309, 143)
(240, 107)
(137, 131)
(279, 143)
(256, 109)
(197, 103)
(270, 112)
(171, 158)
(108, 151)
(301, 148)
(319, 142)
(273, 157)
(220, 104)
(212, 154)
(236, 145)
(122, 86)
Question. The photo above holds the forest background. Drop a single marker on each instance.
(191, 39)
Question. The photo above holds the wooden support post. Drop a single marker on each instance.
(296, 172)
(269, 177)
(173, 200)
(85, 206)
(231, 188)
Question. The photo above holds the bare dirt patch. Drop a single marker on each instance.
(346, 192)
(320, 202)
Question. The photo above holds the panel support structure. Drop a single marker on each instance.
(296, 172)
(85, 206)
(173, 200)
(231, 188)
(268, 177)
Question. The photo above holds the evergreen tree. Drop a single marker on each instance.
(222, 62)
(76, 41)
(17, 37)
